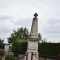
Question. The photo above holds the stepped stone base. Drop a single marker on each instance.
(31, 55)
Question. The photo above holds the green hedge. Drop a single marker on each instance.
(19, 47)
(47, 49)
(10, 57)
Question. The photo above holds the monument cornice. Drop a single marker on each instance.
(33, 39)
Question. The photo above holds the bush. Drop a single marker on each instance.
(19, 47)
(10, 57)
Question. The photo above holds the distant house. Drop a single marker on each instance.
(6, 47)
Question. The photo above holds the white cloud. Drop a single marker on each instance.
(17, 13)
(51, 30)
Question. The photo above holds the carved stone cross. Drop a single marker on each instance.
(35, 15)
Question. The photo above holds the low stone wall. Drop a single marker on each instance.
(8, 52)
(41, 58)
(46, 57)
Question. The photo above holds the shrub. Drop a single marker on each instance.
(10, 57)
(19, 47)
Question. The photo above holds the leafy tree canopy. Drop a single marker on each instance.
(20, 34)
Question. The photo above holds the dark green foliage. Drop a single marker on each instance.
(49, 49)
(10, 57)
(1, 44)
(21, 33)
(19, 47)
(39, 35)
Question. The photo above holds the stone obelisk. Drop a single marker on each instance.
(32, 49)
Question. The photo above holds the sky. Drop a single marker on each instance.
(19, 13)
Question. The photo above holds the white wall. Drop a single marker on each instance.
(6, 47)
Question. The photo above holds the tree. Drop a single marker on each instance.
(39, 35)
(1, 43)
(20, 34)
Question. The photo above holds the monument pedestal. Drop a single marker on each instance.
(32, 55)
(32, 50)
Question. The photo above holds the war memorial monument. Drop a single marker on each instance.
(32, 48)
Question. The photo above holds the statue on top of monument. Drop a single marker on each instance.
(35, 15)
